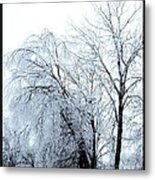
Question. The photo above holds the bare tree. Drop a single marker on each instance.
(118, 48)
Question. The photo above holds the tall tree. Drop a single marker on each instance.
(115, 49)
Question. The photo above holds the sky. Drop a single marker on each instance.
(22, 20)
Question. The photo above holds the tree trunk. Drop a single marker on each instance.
(119, 135)
(93, 159)
(83, 159)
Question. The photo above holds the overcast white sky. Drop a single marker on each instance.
(22, 20)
